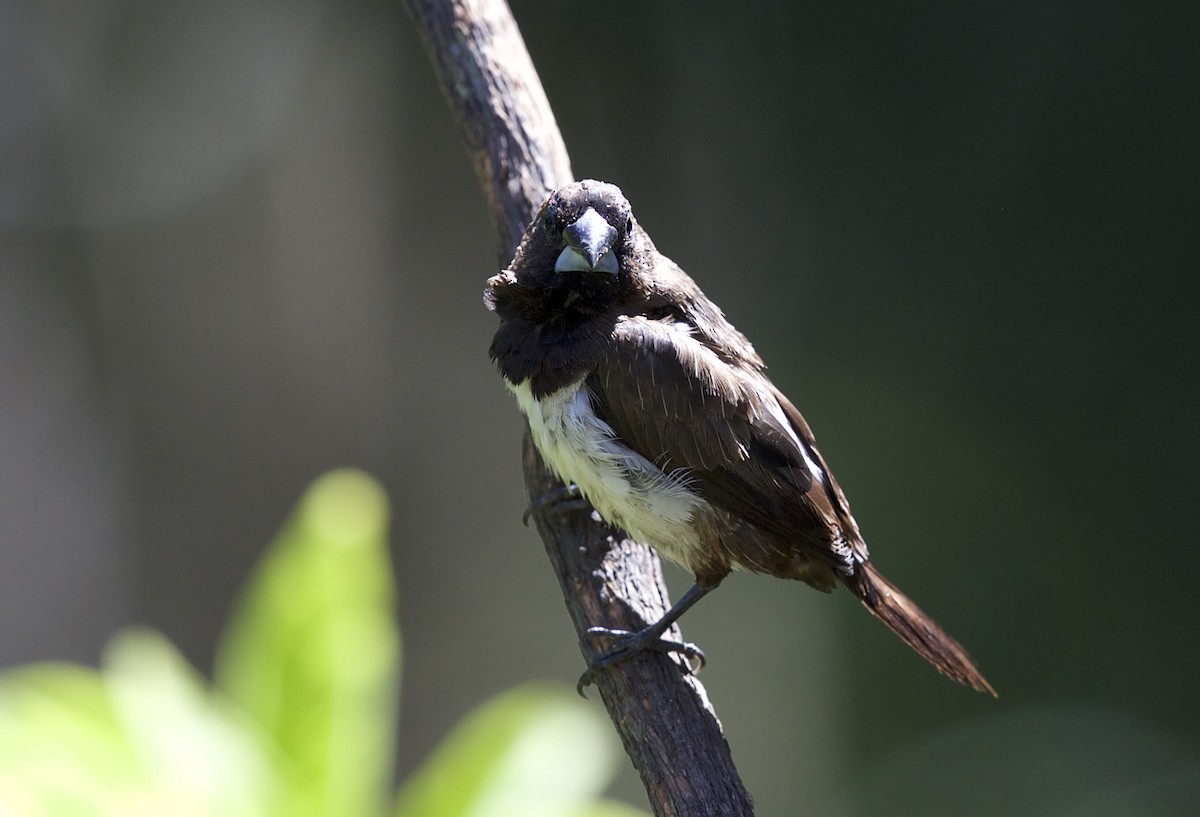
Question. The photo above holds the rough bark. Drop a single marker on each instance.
(662, 714)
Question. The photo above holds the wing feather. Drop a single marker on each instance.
(722, 427)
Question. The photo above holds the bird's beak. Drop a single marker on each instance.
(589, 246)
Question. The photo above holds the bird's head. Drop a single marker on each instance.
(580, 251)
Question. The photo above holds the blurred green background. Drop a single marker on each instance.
(241, 244)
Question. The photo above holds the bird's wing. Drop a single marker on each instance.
(723, 427)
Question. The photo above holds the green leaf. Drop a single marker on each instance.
(62, 749)
(534, 751)
(198, 755)
(145, 736)
(312, 652)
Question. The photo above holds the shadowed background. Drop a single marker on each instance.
(242, 245)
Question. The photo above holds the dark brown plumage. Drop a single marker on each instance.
(639, 391)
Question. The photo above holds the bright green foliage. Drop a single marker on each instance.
(312, 653)
(300, 720)
(144, 736)
(533, 752)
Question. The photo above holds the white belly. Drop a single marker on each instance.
(627, 489)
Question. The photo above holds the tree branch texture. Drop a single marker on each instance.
(662, 714)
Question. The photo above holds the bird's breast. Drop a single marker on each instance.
(628, 489)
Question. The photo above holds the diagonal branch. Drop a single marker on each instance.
(662, 714)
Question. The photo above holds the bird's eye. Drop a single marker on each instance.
(549, 222)
(629, 225)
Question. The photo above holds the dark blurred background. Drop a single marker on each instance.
(241, 244)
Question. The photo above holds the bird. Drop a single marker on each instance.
(646, 401)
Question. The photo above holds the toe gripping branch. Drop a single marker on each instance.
(627, 643)
(630, 643)
(562, 498)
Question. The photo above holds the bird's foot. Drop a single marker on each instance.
(562, 498)
(629, 644)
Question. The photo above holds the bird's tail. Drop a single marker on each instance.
(918, 630)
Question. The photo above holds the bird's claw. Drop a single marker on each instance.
(564, 497)
(629, 643)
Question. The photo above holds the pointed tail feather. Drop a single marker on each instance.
(915, 628)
